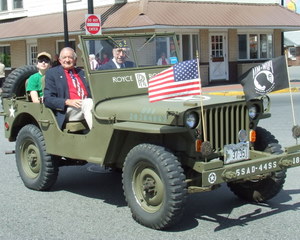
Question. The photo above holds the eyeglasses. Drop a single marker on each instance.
(45, 60)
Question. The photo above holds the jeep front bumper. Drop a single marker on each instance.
(215, 172)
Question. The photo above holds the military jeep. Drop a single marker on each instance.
(164, 149)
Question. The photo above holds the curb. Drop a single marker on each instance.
(241, 93)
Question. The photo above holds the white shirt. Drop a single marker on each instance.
(117, 64)
(2, 72)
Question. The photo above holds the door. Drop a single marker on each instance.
(218, 63)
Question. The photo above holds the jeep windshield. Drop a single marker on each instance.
(137, 51)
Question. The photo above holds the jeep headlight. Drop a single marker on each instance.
(253, 112)
(266, 103)
(191, 120)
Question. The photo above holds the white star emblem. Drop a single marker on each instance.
(212, 177)
(12, 111)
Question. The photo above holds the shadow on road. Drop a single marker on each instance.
(220, 206)
(92, 181)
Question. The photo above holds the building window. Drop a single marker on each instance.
(217, 46)
(5, 55)
(186, 47)
(253, 41)
(61, 45)
(195, 46)
(242, 46)
(3, 5)
(32, 54)
(255, 46)
(189, 46)
(266, 46)
(17, 4)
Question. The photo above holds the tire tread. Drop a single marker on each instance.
(269, 187)
(49, 168)
(175, 181)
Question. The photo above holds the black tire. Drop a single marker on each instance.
(38, 170)
(154, 186)
(14, 84)
(265, 189)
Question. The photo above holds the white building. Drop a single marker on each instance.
(230, 37)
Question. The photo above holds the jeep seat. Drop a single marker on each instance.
(27, 95)
(75, 126)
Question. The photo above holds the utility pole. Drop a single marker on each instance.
(66, 31)
(90, 6)
(91, 11)
(282, 35)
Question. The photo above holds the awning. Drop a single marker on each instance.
(292, 39)
(153, 14)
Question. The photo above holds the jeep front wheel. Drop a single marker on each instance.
(154, 186)
(267, 188)
(38, 170)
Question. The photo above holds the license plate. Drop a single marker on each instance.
(236, 152)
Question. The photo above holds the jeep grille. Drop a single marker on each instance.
(223, 124)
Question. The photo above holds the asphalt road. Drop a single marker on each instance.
(88, 203)
(294, 73)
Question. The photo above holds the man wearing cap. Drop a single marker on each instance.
(119, 57)
(34, 84)
(67, 92)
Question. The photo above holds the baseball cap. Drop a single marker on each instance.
(48, 55)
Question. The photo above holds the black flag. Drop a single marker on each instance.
(265, 78)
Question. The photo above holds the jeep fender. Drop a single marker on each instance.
(148, 128)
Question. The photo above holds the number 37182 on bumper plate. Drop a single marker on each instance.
(236, 152)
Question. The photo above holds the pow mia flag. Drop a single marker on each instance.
(265, 78)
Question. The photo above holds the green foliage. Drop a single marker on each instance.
(5, 59)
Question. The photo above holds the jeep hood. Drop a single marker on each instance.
(169, 112)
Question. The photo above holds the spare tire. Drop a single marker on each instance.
(14, 84)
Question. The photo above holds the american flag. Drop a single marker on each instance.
(179, 80)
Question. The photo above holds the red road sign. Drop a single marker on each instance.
(92, 24)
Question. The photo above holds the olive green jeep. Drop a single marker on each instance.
(164, 149)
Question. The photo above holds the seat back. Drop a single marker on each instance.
(27, 94)
(75, 126)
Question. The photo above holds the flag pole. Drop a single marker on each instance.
(290, 89)
(201, 100)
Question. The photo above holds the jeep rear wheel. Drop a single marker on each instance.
(38, 170)
(154, 186)
(269, 187)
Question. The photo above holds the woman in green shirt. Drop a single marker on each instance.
(34, 85)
